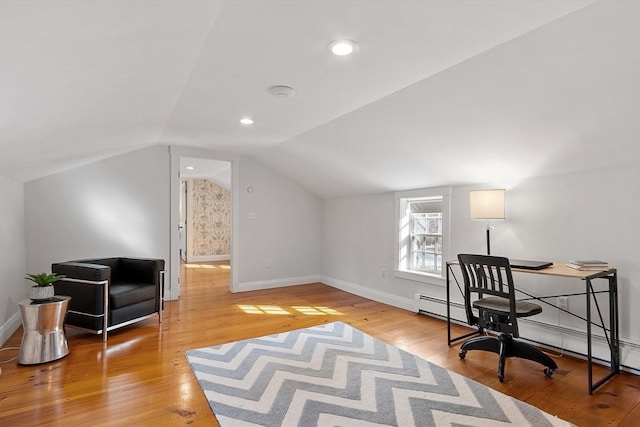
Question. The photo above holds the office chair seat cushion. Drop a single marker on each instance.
(501, 305)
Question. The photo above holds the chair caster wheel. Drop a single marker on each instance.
(548, 372)
(462, 354)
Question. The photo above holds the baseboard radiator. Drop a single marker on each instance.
(437, 307)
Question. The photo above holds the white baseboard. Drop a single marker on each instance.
(372, 294)
(275, 283)
(9, 327)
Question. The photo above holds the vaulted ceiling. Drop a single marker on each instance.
(440, 92)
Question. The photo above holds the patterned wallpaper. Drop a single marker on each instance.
(210, 216)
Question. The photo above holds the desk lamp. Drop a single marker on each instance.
(486, 205)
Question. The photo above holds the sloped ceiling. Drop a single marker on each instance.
(440, 92)
(217, 171)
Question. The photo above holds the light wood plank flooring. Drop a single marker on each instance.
(141, 376)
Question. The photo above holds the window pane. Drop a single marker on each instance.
(434, 225)
(420, 224)
(425, 235)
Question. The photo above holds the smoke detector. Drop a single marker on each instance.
(282, 91)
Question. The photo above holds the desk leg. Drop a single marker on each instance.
(589, 357)
(613, 322)
(613, 338)
(461, 337)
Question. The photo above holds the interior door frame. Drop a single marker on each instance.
(172, 285)
(183, 225)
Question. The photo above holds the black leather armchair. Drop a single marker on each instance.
(127, 289)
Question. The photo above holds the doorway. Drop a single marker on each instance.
(204, 214)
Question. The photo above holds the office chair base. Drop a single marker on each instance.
(505, 346)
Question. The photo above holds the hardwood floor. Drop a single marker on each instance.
(141, 376)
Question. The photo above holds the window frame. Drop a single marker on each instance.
(401, 252)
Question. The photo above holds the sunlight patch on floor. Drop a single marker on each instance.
(207, 266)
(314, 311)
(274, 309)
(262, 309)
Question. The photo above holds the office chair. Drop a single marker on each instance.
(490, 292)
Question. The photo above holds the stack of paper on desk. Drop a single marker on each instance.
(588, 264)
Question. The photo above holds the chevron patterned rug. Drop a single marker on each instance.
(336, 375)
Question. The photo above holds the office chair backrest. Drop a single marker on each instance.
(489, 276)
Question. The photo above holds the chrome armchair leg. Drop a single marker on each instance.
(161, 295)
(105, 318)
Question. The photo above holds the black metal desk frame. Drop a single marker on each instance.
(611, 333)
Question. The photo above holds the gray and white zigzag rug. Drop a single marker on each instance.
(336, 375)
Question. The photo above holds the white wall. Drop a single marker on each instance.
(122, 206)
(588, 215)
(114, 207)
(13, 287)
(286, 232)
(358, 243)
(593, 214)
(282, 246)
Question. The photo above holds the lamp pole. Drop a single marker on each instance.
(488, 239)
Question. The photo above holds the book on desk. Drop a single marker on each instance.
(588, 265)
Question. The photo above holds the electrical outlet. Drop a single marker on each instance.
(383, 273)
(267, 262)
(563, 303)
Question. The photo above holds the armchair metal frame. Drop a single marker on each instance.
(106, 309)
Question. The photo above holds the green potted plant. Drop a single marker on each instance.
(43, 288)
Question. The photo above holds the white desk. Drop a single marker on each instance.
(560, 270)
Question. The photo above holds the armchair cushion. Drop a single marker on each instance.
(123, 294)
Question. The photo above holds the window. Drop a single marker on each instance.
(425, 235)
(422, 217)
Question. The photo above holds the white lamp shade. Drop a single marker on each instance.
(486, 204)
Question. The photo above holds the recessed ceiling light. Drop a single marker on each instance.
(342, 47)
(189, 168)
(246, 121)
